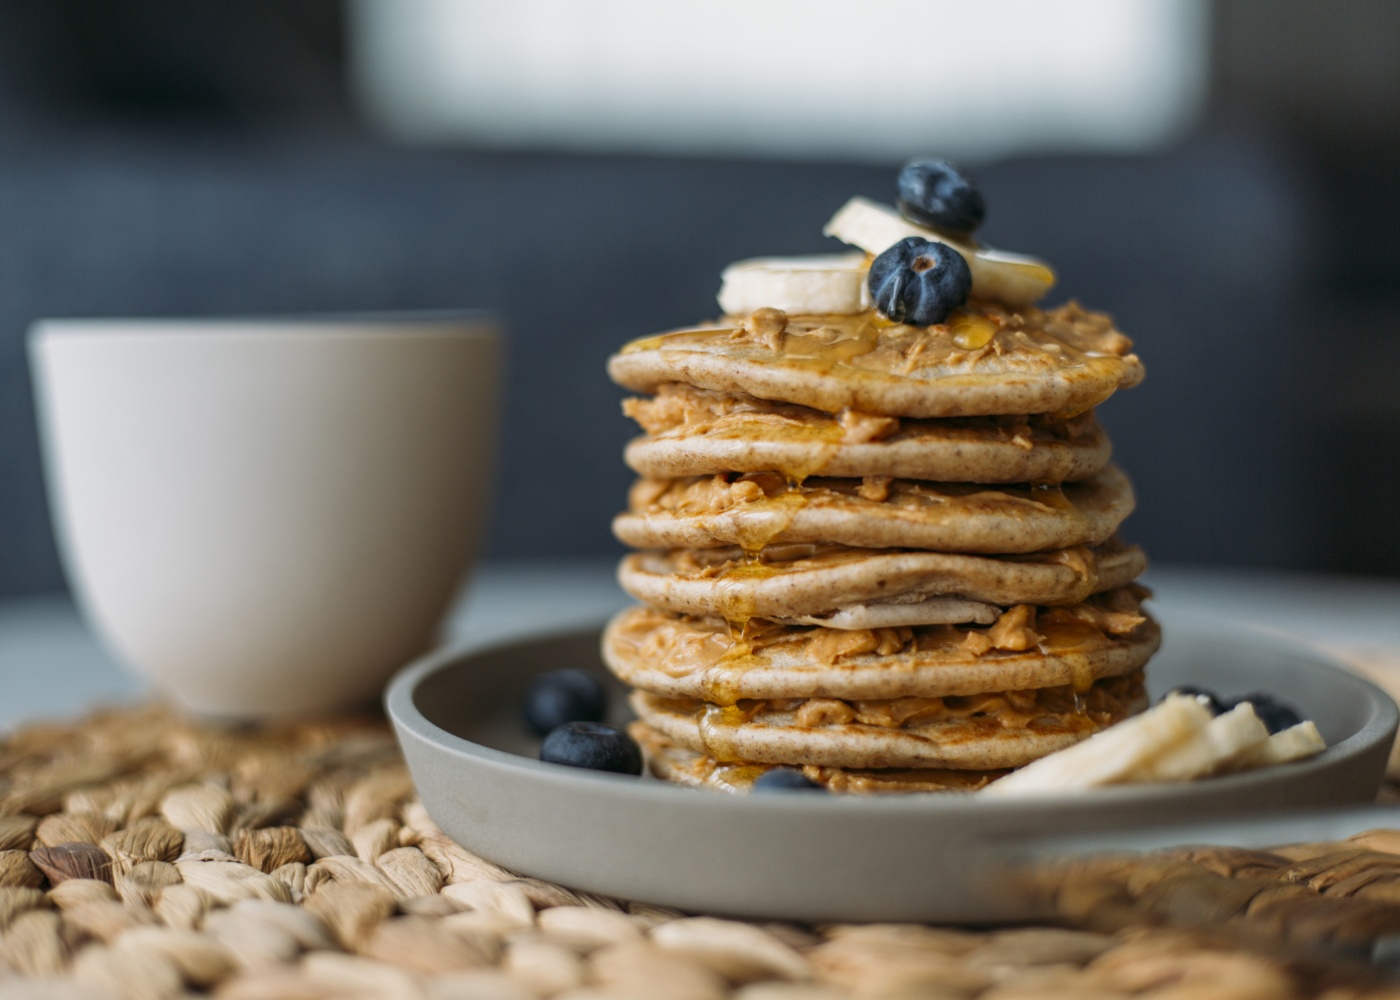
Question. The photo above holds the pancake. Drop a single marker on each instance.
(693, 432)
(794, 581)
(755, 509)
(1064, 360)
(684, 657)
(982, 732)
(681, 766)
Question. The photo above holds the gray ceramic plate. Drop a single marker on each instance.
(828, 857)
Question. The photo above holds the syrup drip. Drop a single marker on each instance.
(766, 519)
(972, 332)
(722, 682)
(717, 725)
(737, 777)
(735, 602)
(829, 346)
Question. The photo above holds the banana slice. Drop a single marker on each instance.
(1178, 740)
(1294, 743)
(825, 283)
(1112, 756)
(1010, 278)
(1222, 740)
(798, 285)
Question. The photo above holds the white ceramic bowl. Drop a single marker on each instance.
(828, 857)
(267, 517)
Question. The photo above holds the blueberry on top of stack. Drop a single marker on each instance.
(876, 517)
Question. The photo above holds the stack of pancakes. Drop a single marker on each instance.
(885, 554)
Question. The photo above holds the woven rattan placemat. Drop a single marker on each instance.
(143, 855)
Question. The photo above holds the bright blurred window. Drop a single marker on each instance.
(856, 79)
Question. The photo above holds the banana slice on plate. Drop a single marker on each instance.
(1010, 278)
(1112, 756)
(1177, 740)
(1225, 737)
(1294, 743)
(818, 284)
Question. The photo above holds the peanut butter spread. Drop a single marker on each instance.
(681, 645)
(697, 431)
(797, 557)
(699, 770)
(1030, 360)
(755, 509)
(680, 411)
(789, 580)
(993, 731)
(697, 496)
(1107, 701)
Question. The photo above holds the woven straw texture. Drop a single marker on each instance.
(145, 856)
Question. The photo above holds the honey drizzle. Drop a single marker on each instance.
(1066, 641)
(723, 682)
(737, 777)
(735, 602)
(933, 720)
(717, 723)
(766, 519)
(971, 332)
(828, 346)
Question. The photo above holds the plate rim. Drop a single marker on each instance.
(407, 718)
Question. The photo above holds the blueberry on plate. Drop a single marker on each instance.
(919, 281)
(594, 746)
(1276, 715)
(934, 193)
(1209, 699)
(785, 779)
(561, 696)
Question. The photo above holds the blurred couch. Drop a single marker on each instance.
(1202, 253)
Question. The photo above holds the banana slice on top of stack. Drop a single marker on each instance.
(820, 283)
(836, 283)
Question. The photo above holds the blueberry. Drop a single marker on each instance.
(933, 193)
(1275, 715)
(561, 696)
(919, 281)
(1207, 698)
(594, 746)
(785, 779)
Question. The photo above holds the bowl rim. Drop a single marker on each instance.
(399, 703)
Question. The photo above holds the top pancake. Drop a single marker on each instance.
(1059, 361)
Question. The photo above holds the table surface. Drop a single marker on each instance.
(58, 668)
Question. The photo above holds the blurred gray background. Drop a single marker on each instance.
(167, 158)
